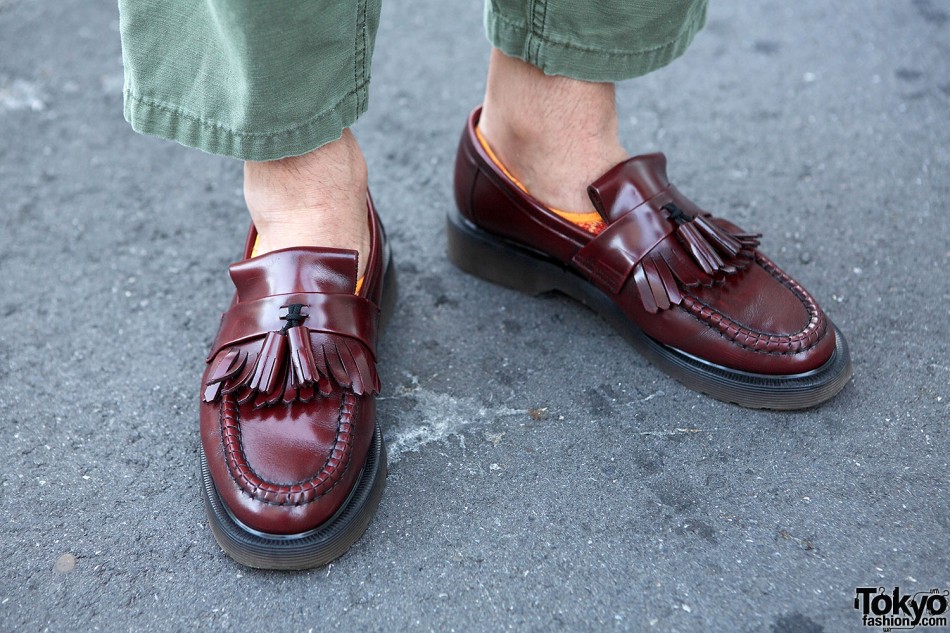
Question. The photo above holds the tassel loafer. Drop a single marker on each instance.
(690, 291)
(292, 460)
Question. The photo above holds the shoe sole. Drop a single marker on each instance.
(501, 262)
(330, 540)
(314, 548)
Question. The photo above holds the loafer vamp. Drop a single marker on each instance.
(287, 469)
(760, 322)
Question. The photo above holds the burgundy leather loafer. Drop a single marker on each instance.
(688, 290)
(292, 462)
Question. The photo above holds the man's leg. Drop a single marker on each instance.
(548, 199)
(555, 134)
(275, 86)
(317, 199)
(549, 111)
(292, 460)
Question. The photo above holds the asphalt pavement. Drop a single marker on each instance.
(543, 476)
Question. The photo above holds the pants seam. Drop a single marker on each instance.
(539, 9)
(359, 66)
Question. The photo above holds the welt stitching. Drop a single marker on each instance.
(302, 482)
(779, 275)
(810, 307)
(287, 492)
(743, 329)
(752, 349)
(774, 272)
(284, 489)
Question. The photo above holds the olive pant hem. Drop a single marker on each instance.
(556, 54)
(262, 80)
(171, 122)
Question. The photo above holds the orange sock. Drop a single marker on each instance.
(590, 222)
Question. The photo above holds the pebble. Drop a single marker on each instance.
(65, 564)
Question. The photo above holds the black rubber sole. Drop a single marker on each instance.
(499, 261)
(314, 548)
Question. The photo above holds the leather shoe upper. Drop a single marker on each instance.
(690, 280)
(288, 394)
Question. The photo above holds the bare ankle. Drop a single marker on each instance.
(317, 199)
(555, 134)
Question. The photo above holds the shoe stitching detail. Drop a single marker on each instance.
(765, 342)
(300, 493)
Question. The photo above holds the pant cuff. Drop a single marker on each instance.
(173, 123)
(557, 56)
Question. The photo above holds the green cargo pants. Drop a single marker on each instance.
(265, 79)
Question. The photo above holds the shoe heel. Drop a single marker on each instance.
(482, 255)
